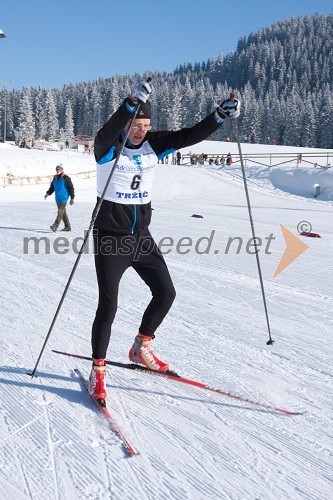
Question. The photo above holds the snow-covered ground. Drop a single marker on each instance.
(193, 444)
(29, 162)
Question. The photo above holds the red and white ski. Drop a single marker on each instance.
(113, 426)
(178, 378)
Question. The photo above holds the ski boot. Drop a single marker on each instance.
(142, 353)
(97, 381)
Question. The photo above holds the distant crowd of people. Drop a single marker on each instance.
(176, 158)
(200, 159)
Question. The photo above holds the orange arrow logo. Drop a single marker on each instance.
(294, 248)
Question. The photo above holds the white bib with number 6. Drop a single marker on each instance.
(132, 180)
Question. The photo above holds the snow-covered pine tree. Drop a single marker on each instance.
(51, 116)
(69, 122)
(26, 121)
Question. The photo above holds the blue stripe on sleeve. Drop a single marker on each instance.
(108, 157)
(129, 108)
(165, 153)
(220, 121)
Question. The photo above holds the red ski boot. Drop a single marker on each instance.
(141, 352)
(97, 381)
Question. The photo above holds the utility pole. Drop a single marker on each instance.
(2, 35)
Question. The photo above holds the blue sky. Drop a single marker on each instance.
(52, 43)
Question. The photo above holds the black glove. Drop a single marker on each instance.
(72, 201)
(229, 107)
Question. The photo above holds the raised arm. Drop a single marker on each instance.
(165, 142)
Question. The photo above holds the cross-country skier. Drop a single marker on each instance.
(121, 235)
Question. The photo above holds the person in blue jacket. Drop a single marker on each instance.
(63, 188)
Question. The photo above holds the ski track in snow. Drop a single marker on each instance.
(193, 444)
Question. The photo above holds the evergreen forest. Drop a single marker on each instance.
(283, 75)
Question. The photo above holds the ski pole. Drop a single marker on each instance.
(92, 222)
(270, 341)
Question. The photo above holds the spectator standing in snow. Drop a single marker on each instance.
(121, 235)
(63, 188)
(229, 159)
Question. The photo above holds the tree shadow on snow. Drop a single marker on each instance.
(26, 229)
(81, 397)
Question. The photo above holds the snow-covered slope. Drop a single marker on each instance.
(192, 444)
(28, 162)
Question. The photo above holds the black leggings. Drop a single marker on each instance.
(115, 254)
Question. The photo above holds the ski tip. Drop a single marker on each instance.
(129, 451)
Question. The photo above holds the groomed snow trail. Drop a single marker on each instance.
(192, 444)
